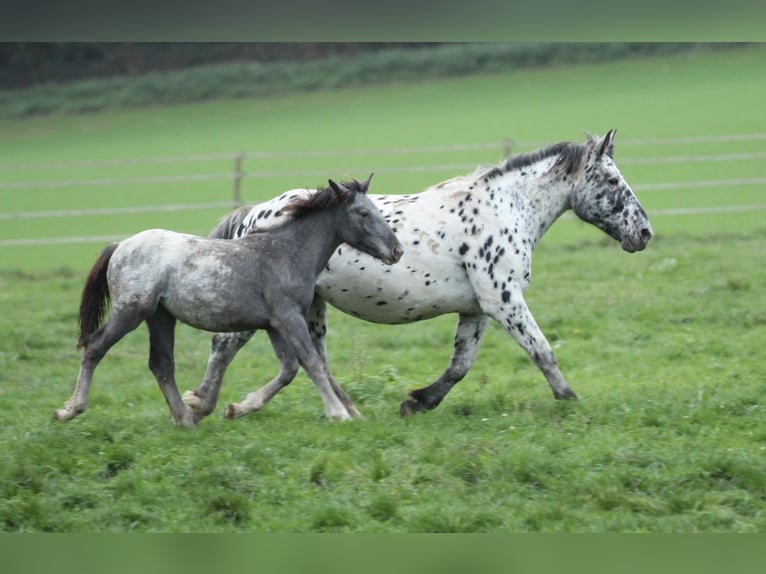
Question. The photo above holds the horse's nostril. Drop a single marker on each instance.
(646, 233)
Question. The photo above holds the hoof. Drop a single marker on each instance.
(354, 412)
(566, 395)
(410, 407)
(232, 412)
(61, 415)
(186, 423)
(194, 403)
(415, 403)
(342, 417)
(192, 400)
(66, 414)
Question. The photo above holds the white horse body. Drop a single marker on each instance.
(434, 277)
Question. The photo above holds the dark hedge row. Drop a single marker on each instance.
(369, 65)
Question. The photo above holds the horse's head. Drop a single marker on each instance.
(604, 199)
(363, 226)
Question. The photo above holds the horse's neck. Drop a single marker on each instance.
(532, 197)
(310, 240)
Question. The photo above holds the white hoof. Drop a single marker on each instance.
(194, 403)
(233, 411)
(343, 416)
(66, 414)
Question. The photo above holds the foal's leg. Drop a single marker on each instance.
(288, 369)
(161, 341)
(317, 323)
(517, 319)
(293, 328)
(119, 324)
(223, 349)
(468, 334)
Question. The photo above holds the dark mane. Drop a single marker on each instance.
(227, 227)
(570, 157)
(322, 199)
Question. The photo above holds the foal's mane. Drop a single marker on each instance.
(570, 157)
(323, 198)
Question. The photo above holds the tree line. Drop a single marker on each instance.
(26, 64)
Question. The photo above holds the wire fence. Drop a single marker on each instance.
(236, 176)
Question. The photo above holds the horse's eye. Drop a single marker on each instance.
(613, 181)
(364, 213)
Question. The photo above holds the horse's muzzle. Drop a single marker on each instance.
(637, 242)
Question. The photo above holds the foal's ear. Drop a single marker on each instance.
(365, 185)
(339, 189)
(607, 144)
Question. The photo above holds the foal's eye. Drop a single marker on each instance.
(364, 213)
(613, 181)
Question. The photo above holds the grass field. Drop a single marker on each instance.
(665, 347)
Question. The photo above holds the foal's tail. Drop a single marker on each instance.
(95, 296)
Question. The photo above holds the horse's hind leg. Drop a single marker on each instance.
(289, 366)
(223, 349)
(317, 323)
(162, 364)
(468, 334)
(119, 324)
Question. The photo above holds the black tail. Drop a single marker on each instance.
(95, 296)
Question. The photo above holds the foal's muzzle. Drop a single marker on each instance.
(396, 255)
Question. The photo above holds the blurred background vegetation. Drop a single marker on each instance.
(66, 78)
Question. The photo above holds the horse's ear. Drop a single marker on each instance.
(339, 189)
(607, 144)
(365, 185)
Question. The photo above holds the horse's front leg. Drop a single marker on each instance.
(468, 334)
(514, 315)
(293, 328)
(316, 319)
(288, 369)
(223, 349)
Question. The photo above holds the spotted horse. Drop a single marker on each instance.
(468, 246)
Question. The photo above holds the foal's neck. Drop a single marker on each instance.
(309, 240)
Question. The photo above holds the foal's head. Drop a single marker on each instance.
(603, 198)
(361, 224)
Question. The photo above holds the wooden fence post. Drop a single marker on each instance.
(238, 175)
(507, 148)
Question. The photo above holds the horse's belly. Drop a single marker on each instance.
(216, 314)
(398, 293)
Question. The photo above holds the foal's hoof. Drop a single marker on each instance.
(61, 415)
(191, 399)
(340, 417)
(186, 423)
(232, 412)
(566, 395)
(193, 402)
(66, 414)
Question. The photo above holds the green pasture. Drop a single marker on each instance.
(664, 347)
